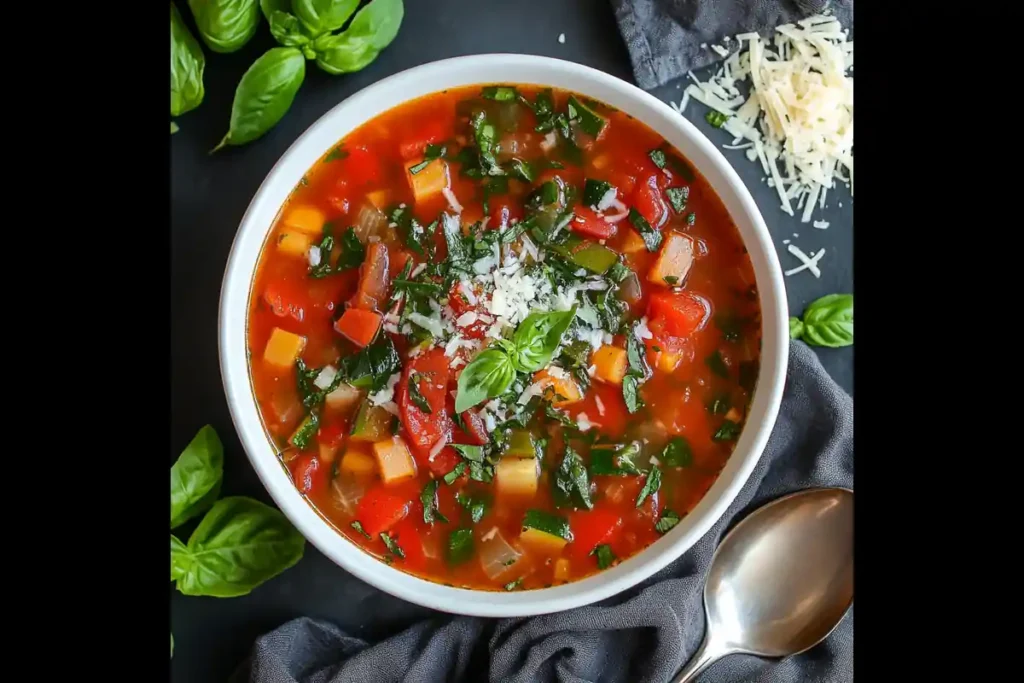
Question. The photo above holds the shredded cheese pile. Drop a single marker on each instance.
(798, 117)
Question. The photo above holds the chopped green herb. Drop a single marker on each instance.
(677, 197)
(476, 507)
(571, 486)
(370, 367)
(658, 157)
(677, 452)
(716, 118)
(517, 168)
(481, 472)
(416, 396)
(486, 139)
(500, 93)
(717, 364)
(456, 472)
(589, 122)
(719, 405)
(668, 521)
(652, 238)
(494, 186)
(357, 525)
(393, 546)
(307, 429)
(651, 485)
(615, 460)
(471, 453)
(796, 327)
(544, 108)
(336, 154)
(415, 236)
(555, 525)
(677, 165)
(512, 585)
(429, 499)
(594, 191)
(727, 432)
(691, 219)
(619, 271)
(605, 556)
(671, 279)
(460, 546)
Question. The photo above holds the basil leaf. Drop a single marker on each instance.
(187, 65)
(538, 337)
(472, 453)
(196, 476)
(667, 522)
(652, 237)
(522, 170)
(631, 392)
(475, 506)
(271, 6)
(264, 95)
(571, 486)
(225, 25)
(605, 556)
(499, 93)
(727, 432)
(460, 546)
(796, 328)
(544, 108)
(289, 32)
(658, 157)
(371, 367)
(372, 30)
(719, 405)
(614, 461)
(638, 373)
(239, 544)
(353, 253)
(651, 485)
(481, 472)
(829, 321)
(677, 197)
(416, 396)
(323, 16)
(589, 122)
(677, 452)
(594, 191)
(392, 545)
(487, 376)
(179, 558)
(486, 139)
(358, 526)
(456, 472)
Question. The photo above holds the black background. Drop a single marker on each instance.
(209, 194)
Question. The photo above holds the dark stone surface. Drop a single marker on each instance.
(209, 194)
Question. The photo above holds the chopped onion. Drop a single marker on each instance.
(497, 557)
(371, 222)
(347, 490)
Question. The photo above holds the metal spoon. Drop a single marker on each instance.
(780, 581)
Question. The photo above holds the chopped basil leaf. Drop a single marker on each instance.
(416, 396)
(393, 547)
(418, 167)
(651, 485)
(571, 486)
(456, 472)
(336, 154)
(429, 499)
(353, 253)
(652, 238)
(619, 271)
(691, 219)
(475, 506)
(357, 525)
(615, 460)
(471, 453)
(307, 430)
(668, 521)
(486, 139)
(500, 93)
(717, 365)
(544, 108)
(719, 405)
(631, 392)
(371, 367)
(677, 452)
(494, 186)
(512, 585)
(589, 122)
(460, 546)
(677, 165)
(658, 157)
(605, 556)
(481, 471)
(522, 170)
(727, 432)
(594, 191)
(418, 238)
(671, 279)
(677, 197)
(716, 118)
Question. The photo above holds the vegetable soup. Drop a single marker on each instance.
(504, 337)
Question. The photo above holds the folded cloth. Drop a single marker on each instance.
(642, 635)
(667, 38)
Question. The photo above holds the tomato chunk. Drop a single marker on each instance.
(587, 222)
(475, 430)
(373, 279)
(647, 200)
(361, 166)
(592, 528)
(425, 429)
(358, 326)
(460, 305)
(379, 510)
(332, 433)
(406, 536)
(309, 474)
(434, 130)
(287, 298)
(676, 314)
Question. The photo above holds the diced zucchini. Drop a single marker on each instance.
(304, 218)
(594, 257)
(554, 525)
(610, 364)
(294, 243)
(394, 459)
(358, 463)
(304, 433)
(520, 445)
(541, 542)
(372, 423)
(283, 348)
(516, 476)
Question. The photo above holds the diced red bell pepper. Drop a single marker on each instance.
(358, 326)
(676, 314)
(406, 535)
(332, 433)
(460, 304)
(309, 474)
(425, 429)
(373, 279)
(587, 222)
(379, 510)
(591, 528)
(475, 430)
(648, 201)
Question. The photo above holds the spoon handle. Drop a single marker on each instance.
(707, 654)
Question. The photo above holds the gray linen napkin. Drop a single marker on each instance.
(664, 37)
(642, 635)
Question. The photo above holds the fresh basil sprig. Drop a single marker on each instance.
(372, 29)
(187, 65)
(828, 321)
(537, 338)
(196, 476)
(225, 25)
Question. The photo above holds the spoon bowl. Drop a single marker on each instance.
(781, 580)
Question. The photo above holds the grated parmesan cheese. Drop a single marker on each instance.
(807, 262)
(452, 201)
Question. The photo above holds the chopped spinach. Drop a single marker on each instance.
(717, 364)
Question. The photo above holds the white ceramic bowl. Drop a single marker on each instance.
(433, 77)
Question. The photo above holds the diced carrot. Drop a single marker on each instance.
(358, 463)
(358, 326)
(429, 181)
(283, 348)
(565, 388)
(294, 243)
(373, 279)
(632, 242)
(562, 566)
(395, 460)
(379, 198)
(304, 218)
(610, 364)
(673, 262)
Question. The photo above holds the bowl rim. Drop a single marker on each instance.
(432, 77)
